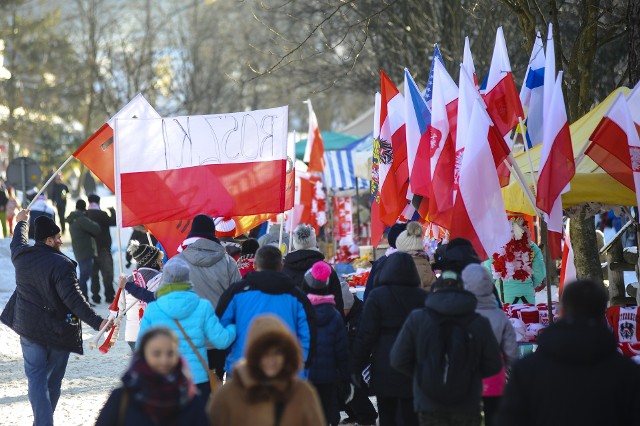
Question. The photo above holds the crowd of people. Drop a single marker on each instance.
(252, 337)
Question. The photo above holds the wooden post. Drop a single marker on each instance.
(616, 276)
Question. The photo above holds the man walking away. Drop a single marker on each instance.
(45, 310)
(576, 376)
(267, 290)
(83, 233)
(448, 349)
(60, 191)
(103, 263)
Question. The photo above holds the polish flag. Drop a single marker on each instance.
(314, 152)
(442, 136)
(377, 227)
(500, 93)
(468, 95)
(220, 165)
(612, 142)
(467, 62)
(568, 271)
(96, 153)
(418, 118)
(532, 93)
(393, 168)
(479, 211)
(557, 166)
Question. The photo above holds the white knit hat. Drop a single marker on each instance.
(304, 237)
(225, 227)
(411, 238)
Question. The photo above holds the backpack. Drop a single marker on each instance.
(448, 370)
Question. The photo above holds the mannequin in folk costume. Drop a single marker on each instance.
(519, 265)
(145, 277)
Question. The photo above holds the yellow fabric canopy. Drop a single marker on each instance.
(590, 184)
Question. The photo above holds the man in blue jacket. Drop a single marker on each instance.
(267, 290)
(45, 310)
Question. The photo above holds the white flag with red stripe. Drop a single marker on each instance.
(568, 271)
(221, 165)
(557, 166)
(479, 211)
(467, 62)
(314, 151)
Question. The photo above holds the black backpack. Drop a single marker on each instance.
(448, 370)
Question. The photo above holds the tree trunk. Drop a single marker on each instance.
(585, 249)
(633, 26)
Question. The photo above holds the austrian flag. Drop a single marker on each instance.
(222, 165)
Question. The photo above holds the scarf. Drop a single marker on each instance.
(186, 243)
(317, 299)
(160, 397)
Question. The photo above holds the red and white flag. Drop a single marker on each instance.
(393, 167)
(220, 165)
(613, 140)
(479, 211)
(568, 271)
(444, 111)
(377, 227)
(500, 94)
(467, 62)
(96, 153)
(557, 166)
(314, 152)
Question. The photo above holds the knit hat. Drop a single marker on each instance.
(225, 227)
(203, 226)
(94, 198)
(81, 205)
(347, 296)
(399, 269)
(175, 277)
(411, 238)
(250, 246)
(395, 230)
(447, 280)
(304, 237)
(477, 279)
(45, 228)
(144, 254)
(316, 279)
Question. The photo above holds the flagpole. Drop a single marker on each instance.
(515, 169)
(281, 231)
(291, 212)
(526, 149)
(48, 182)
(582, 154)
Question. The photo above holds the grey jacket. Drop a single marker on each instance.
(501, 326)
(211, 270)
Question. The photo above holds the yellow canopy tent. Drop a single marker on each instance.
(590, 184)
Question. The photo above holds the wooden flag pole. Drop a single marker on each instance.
(71, 157)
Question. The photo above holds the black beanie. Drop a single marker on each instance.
(399, 269)
(45, 228)
(81, 205)
(455, 256)
(395, 230)
(144, 254)
(250, 246)
(204, 227)
(94, 198)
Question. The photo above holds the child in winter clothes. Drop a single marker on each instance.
(176, 302)
(139, 286)
(264, 389)
(329, 369)
(477, 280)
(156, 389)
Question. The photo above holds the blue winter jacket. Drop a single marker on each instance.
(331, 361)
(199, 321)
(263, 292)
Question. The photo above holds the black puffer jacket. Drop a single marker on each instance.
(46, 294)
(575, 377)
(105, 220)
(385, 310)
(298, 262)
(412, 346)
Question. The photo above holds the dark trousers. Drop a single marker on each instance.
(216, 359)
(328, 393)
(397, 412)
(62, 209)
(490, 407)
(85, 266)
(103, 264)
(204, 389)
(360, 409)
(445, 418)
